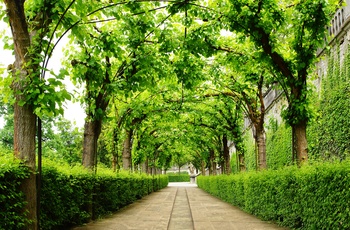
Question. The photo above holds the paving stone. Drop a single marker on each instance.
(180, 206)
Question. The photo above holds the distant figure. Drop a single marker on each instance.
(191, 168)
(192, 174)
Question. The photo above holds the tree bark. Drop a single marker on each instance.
(226, 153)
(300, 144)
(24, 149)
(297, 85)
(115, 159)
(260, 139)
(241, 164)
(93, 123)
(212, 170)
(203, 168)
(92, 131)
(24, 118)
(127, 150)
(147, 171)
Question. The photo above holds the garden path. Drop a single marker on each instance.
(180, 206)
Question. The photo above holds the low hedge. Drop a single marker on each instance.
(312, 197)
(11, 199)
(72, 196)
(175, 177)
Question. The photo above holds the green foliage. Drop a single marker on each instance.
(11, 198)
(330, 132)
(234, 163)
(62, 141)
(72, 195)
(6, 132)
(278, 145)
(250, 153)
(46, 96)
(288, 35)
(176, 177)
(65, 196)
(313, 197)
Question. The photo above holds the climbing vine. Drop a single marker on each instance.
(279, 144)
(330, 133)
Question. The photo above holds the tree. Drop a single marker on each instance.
(288, 36)
(116, 69)
(62, 141)
(30, 26)
(24, 134)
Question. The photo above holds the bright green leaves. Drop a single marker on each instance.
(189, 69)
(296, 112)
(244, 15)
(330, 131)
(46, 97)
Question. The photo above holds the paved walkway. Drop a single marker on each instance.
(180, 206)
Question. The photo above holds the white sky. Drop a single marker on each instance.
(73, 111)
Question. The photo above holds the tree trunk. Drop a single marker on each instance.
(127, 150)
(212, 170)
(300, 142)
(241, 164)
(145, 166)
(203, 168)
(298, 96)
(226, 154)
(154, 169)
(24, 149)
(24, 118)
(92, 130)
(115, 160)
(260, 139)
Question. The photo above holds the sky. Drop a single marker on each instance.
(73, 111)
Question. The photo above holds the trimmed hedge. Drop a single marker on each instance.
(11, 199)
(72, 196)
(313, 197)
(175, 177)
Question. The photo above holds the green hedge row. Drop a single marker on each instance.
(11, 199)
(72, 196)
(175, 177)
(313, 197)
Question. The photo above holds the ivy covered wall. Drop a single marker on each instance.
(328, 131)
(329, 134)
